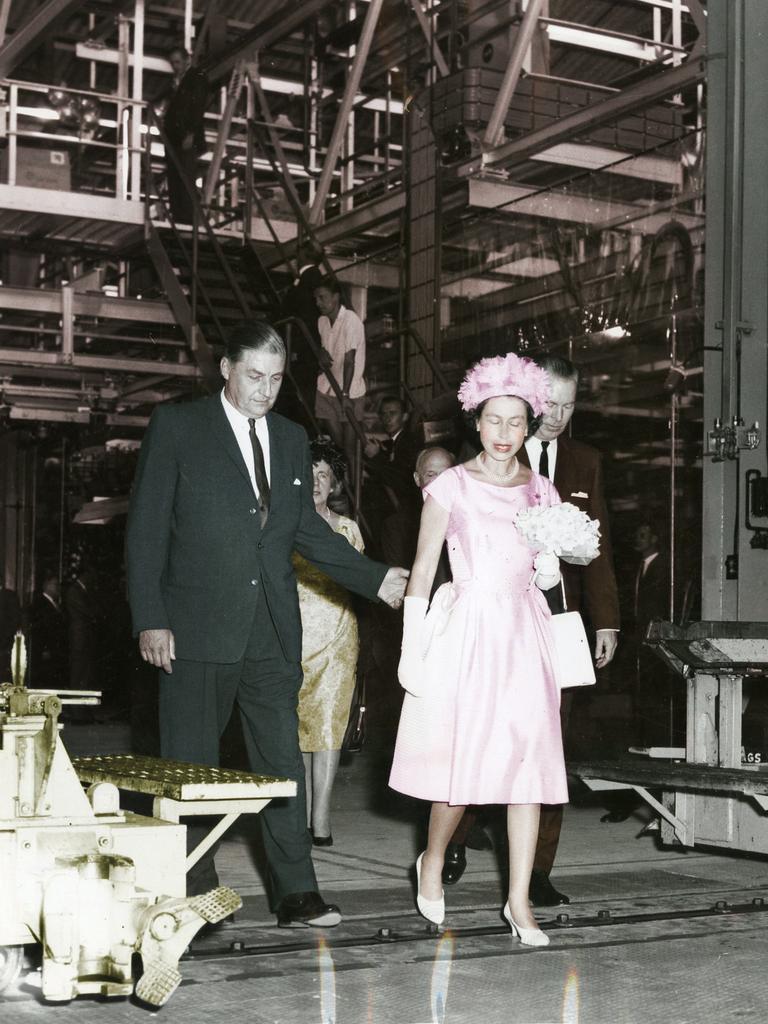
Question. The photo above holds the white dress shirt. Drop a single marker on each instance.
(242, 432)
(533, 448)
(345, 334)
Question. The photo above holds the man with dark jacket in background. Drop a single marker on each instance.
(184, 130)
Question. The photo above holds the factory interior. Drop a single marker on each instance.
(583, 179)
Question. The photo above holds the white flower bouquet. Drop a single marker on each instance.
(563, 529)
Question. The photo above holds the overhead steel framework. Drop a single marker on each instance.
(311, 132)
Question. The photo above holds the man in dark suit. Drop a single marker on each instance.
(299, 302)
(400, 531)
(183, 123)
(222, 496)
(48, 636)
(657, 690)
(389, 467)
(575, 469)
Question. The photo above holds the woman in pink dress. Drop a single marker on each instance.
(480, 721)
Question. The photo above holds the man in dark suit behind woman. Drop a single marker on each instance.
(576, 471)
(397, 542)
(222, 497)
(389, 465)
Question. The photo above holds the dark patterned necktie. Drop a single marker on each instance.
(260, 472)
(544, 460)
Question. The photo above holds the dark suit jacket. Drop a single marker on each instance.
(399, 539)
(186, 110)
(578, 478)
(48, 643)
(197, 557)
(651, 599)
(392, 469)
(299, 301)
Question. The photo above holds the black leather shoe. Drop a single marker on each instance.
(322, 840)
(455, 863)
(542, 893)
(307, 910)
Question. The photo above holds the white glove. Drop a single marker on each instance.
(547, 574)
(410, 670)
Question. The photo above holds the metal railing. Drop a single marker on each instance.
(105, 133)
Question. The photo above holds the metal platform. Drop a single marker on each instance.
(178, 780)
(183, 790)
(749, 780)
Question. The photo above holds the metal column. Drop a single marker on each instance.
(734, 575)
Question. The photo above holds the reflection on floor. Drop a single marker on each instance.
(640, 942)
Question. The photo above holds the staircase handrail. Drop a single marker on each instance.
(200, 217)
(191, 261)
(317, 351)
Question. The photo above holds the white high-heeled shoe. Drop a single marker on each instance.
(433, 910)
(528, 936)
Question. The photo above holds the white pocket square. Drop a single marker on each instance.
(579, 494)
(297, 482)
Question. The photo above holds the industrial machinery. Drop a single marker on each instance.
(91, 884)
(709, 795)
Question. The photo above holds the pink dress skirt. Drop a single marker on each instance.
(487, 729)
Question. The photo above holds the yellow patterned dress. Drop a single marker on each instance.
(329, 651)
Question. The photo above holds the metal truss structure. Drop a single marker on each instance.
(312, 133)
(480, 174)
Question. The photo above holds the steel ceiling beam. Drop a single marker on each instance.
(31, 33)
(261, 36)
(15, 358)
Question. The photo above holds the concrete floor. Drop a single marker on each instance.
(674, 963)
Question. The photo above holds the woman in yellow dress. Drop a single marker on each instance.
(329, 651)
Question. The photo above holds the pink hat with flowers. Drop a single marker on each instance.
(505, 375)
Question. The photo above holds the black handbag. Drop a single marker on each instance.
(354, 736)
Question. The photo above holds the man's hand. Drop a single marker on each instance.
(392, 589)
(606, 641)
(372, 449)
(158, 648)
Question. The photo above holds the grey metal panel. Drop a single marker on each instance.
(735, 309)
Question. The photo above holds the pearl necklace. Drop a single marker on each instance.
(326, 514)
(497, 477)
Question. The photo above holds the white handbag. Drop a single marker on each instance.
(573, 658)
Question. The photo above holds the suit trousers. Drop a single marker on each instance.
(195, 704)
(179, 181)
